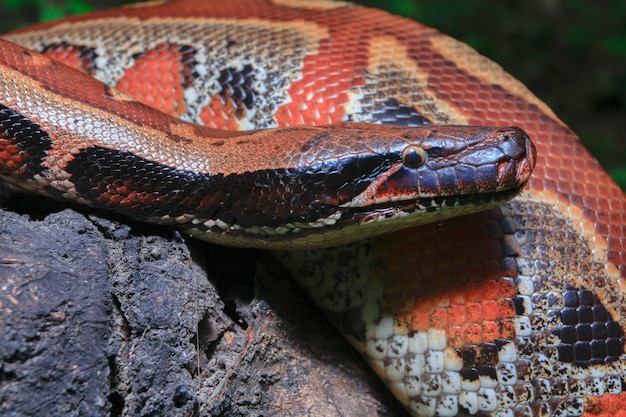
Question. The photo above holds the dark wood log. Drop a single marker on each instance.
(102, 317)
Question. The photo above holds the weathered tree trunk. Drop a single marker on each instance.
(101, 318)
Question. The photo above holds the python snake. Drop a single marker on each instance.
(517, 310)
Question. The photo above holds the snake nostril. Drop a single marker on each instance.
(513, 142)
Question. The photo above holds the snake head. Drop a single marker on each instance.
(341, 183)
(404, 177)
(446, 166)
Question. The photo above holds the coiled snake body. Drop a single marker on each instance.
(517, 310)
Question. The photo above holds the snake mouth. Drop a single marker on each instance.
(357, 223)
(431, 208)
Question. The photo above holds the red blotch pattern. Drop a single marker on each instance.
(471, 299)
(157, 80)
(320, 96)
(220, 113)
(72, 56)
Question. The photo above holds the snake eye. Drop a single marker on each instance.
(414, 157)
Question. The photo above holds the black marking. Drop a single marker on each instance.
(519, 305)
(238, 86)
(27, 136)
(140, 188)
(480, 360)
(488, 370)
(189, 63)
(399, 114)
(469, 374)
(588, 333)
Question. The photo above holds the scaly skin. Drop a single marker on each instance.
(515, 311)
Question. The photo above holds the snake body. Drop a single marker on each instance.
(517, 310)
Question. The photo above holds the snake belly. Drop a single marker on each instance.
(518, 310)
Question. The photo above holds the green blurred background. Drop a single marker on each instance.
(570, 53)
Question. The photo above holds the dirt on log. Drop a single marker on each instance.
(100, 316)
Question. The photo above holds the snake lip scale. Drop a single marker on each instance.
(269, 123)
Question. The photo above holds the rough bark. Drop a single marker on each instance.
(102, 316)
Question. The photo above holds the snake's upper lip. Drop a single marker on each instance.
(464, 203)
